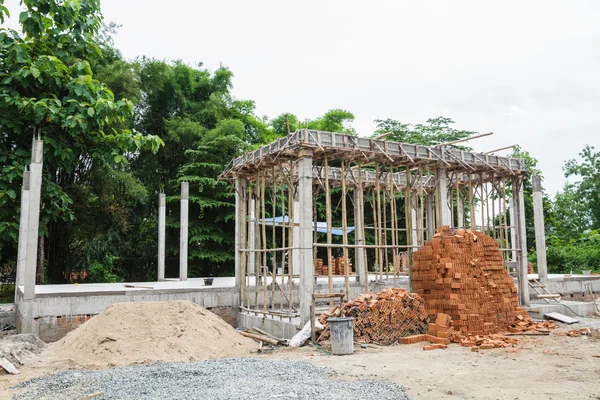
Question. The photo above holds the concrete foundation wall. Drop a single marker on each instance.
(53, 316)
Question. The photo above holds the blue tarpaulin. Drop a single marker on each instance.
(321, 226)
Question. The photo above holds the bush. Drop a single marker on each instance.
(576, 255)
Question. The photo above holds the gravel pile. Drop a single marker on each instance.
(241, 378)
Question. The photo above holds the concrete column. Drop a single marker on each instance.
(460, 212)
(162, 217)
(22, 245)
(430, 215)
(296, 236)
(33, 223)
(444, 211)
(513, 230)
(540, 231)
(183, 231)
(305, 220)
(252, 233)
(239, 221)
(522, 240)
(359, 259)
(413, 220)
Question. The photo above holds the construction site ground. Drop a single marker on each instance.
(541, 367)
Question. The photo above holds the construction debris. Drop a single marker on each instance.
(8, 366)
(382, 317)
(561, 318)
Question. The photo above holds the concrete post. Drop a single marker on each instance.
(183, 231)
(522, 240)
(239, 220)
(513, 230)
(413, 220)
(162, 217)
(430, 215)
(540, 232)
(33, 223)
(22, 244)
(252, 233)
(296, 236)
(444, 211)
(460, 212)
(359, 258)
(306, 235)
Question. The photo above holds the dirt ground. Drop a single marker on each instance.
(548, 367)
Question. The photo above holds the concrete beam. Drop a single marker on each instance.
(306, 235)
(33, 223)
(184, 231)
(162, 217)
(540, 231)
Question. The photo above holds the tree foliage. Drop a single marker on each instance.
(48, 88)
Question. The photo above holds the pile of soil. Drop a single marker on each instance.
(142, 332)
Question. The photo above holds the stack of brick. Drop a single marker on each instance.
(321, 269)
(337, 266)
(341, 265)
(384, 317)
(462, 275)
(439, 334)
(530, 268)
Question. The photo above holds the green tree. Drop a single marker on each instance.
(434, 131)
(587, 189)
(48, 88)
(335, 120)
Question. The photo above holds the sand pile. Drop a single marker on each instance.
(140, 332)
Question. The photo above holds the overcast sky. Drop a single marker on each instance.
(526, 70)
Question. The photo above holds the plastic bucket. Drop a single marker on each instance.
(341, 335)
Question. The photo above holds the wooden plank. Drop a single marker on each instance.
(561, 318)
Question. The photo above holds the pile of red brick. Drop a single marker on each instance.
(384, 317)
(462, 275)
(338, 266)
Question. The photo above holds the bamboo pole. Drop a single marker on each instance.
(378, 189)
(362, 227)
(376, 231)
(394, 223)
(249, 236)
(242, 223)
(291, 243)
(329, 236)
(471, 204)
(274, 237)
(257, 235)
(408, 219)
(345, 231)
(283, 242)
(264, 243)
(385, 233)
